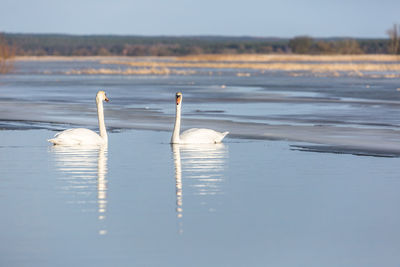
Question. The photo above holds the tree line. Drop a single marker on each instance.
(117, 45)
(106, 45)
(307, 45)
(109, 45)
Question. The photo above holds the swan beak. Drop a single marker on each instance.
(106, 99)
(178, 99)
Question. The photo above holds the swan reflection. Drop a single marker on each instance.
(86, 175)
(202, 168)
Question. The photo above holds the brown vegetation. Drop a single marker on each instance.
(286, 66)
(7, 54)
(290, 58)
(376, 66)
(307, 45)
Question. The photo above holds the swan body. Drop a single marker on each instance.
(201, 136)
(194, 135)
(78, 136)
(82, 136)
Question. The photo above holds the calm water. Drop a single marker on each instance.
(141, 202)
(247, 202)
(352, 114)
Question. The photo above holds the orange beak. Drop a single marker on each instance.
(178, 100)
(106, 99)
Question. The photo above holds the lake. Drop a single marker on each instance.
(308, 175)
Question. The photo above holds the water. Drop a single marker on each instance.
(353, 114)
(141, 202)
(252, 201)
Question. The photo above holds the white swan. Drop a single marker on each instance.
(194, 135)
(82, 136)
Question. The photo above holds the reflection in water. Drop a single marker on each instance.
(178, 179)
(86, 169)
(202, 166)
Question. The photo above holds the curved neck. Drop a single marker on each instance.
(177, 126)
(100, 115)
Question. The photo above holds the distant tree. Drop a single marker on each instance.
(159, 50)
(265, 49)
(81, 52)
(134, 50)
(374, 46)
(102, 51)
(301, 44)
(40, 52)
(322, 47)
(348, 47)
(196, 50)
(7, 53)
(394, 39)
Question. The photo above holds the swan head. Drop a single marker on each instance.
(178, 97)
(101, 96)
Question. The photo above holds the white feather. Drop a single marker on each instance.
(194, 135)
(82, 136)
(201, 136)
(78, 136)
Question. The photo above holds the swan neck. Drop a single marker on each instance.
(100, 115)
(177, 126)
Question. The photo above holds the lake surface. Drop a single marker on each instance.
(263, 198)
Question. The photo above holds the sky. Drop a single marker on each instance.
(278, 18)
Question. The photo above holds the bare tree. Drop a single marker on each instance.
(7, 53)
(394, 41)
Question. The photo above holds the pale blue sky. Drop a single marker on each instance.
(280, 18)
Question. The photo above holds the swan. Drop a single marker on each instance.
(194, 135)
(82, 136)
